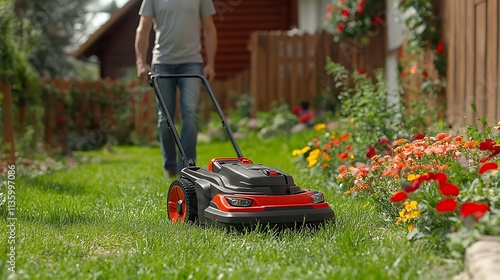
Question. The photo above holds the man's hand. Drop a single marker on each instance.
(209, 72)
(142, 71)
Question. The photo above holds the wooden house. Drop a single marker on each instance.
(113, 43)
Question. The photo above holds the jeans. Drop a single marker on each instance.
(189, 97)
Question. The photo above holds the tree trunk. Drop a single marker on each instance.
(8, 122)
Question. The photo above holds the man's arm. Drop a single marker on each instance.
(210, 35)
(141, 46)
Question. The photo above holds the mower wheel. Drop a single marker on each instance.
(182, 203)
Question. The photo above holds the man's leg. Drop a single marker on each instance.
(167, 144)
(189, 98)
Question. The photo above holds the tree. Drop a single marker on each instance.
(56, 22)
(11, 72)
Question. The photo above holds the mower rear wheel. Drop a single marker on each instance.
(182, 203)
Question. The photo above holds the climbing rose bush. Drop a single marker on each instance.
(356, 20)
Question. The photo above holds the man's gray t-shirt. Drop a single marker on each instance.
(177, 24)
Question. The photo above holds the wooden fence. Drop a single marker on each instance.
(88, 113)
(289, 67)
(472, 30)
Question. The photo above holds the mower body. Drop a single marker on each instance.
(236, 192)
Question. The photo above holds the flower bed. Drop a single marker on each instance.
(433, 186)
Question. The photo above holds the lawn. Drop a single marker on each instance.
(107, 219)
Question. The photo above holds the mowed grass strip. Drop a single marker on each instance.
(107, 220)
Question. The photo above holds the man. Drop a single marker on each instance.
(177, 24)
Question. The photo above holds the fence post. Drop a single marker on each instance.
(8, 120)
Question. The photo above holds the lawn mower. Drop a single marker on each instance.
(235, 192)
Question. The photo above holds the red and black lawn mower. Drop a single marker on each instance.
(235, 192)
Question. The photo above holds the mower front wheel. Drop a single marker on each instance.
(182, 203)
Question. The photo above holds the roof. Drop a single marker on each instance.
(105, 28)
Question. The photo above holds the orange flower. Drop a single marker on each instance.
(342, 175)
(343, 155)
(344, 137)
(325, 165)
(447, 139)
(342, 168)
(399, 142)
(441, 135)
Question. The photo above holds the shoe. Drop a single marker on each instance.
(170, 174)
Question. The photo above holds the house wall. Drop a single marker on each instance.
(235, 21)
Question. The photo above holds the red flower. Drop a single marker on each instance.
(371, 152)
(340, 27)
(377, 20)
(449, 189)
(415, 184)
(329, 9)
(362, 3)
(361, 71)
(488, 166)
(305, 118)
(490, 156)
(419, 136)
(441, 178)
(487, 145)
(473, 208)
(344, 12)
(296, 110)
(439, 47)
(360, 10)
(446, 205)
(399, 196)
(384, 141)
(425, 74)
(427, 177)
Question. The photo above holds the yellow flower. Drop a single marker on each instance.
(497, 127)
(296, 152)
(413, 204)
(320, 126)
(411, 227)
(412, 177)
(410, 211)
(312, 162)
(351, 121)
(314, 154)
(305, 149)
(351, 156)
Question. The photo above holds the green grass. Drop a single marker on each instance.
(107, 220)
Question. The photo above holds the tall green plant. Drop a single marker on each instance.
(366, 103)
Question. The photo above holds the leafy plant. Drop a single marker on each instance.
(279, 120)
(367, 103)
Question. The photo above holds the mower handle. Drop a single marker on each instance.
(153, 81)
